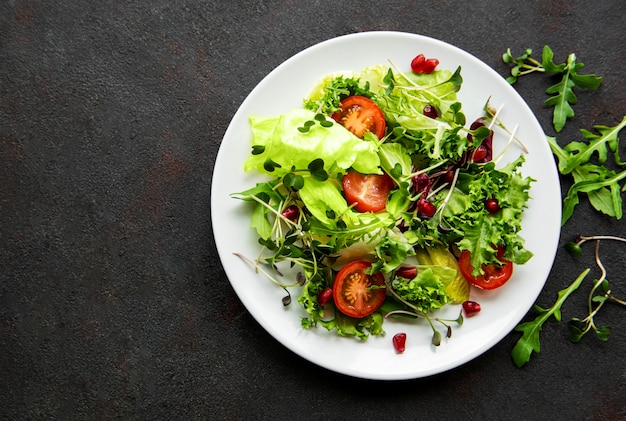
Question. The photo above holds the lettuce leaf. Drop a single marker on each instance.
(281, 142)
(427, 291)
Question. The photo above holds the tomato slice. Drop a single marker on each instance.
(359, 115)
(368, 192)
(352, 290)
(495, 276)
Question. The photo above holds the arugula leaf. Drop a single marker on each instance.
(601, 184)
(562, 93)
(602, 188)
(578, 153)
(529, 341)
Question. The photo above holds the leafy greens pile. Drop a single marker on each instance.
(305, 155)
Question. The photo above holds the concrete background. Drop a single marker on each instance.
(113, 302)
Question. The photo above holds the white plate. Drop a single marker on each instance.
(502, 309)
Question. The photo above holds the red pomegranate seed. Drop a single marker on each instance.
(292, 213)
(399, 342)
(324, 296)
(479, 153)
(448, 176)
(430, 65)
(430, 111)
(471, 308)
(407, 272)
(417, 63)
(426, 208)
(492, 205)
(421, 64)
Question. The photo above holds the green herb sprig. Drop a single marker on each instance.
(529, 341)
(599, 294)
(562, 93)
(601, 184)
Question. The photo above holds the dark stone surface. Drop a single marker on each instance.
(113, 303)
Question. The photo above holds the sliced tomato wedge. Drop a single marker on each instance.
(355, 293)
(494, 276)
(359, 115)
(368, 192)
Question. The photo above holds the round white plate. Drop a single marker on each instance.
(502, 309)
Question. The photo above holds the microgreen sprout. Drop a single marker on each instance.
(599, 294)
(523, 65)
(492, 116)
(319, 118)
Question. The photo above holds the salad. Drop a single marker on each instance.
(385, 200)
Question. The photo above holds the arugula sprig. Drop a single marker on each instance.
(529, 341)
(601, 184)
(562, 93)
(599, 294)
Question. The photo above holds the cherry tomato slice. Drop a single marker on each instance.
(494, 276)
(368, 192)
(359, 115)
(352, 290)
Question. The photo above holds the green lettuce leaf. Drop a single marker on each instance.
(427, 291)
(280, 141)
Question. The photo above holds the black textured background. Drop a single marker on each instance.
(113, 303)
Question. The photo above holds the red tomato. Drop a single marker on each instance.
(359, 115)
(367, 191)
(495, 276)
(352, 292)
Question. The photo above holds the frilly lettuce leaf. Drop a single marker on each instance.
(427, 290)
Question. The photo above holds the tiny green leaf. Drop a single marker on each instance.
(573, 249)
(436, 340)
(258, 149)
(603, 332)
(270, 165)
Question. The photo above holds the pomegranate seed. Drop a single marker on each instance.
(430, 65)
(426, 208)
(430, 111)
(417, 63)
(292, 213)
(483, 152)
(407, 272)
(492, 205)
(324, 296)
(399, 342)
(479, 154)
(421, 64)
(422, 183)
(471, 308)
(477, 123)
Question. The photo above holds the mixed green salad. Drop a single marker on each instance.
(386, 201)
